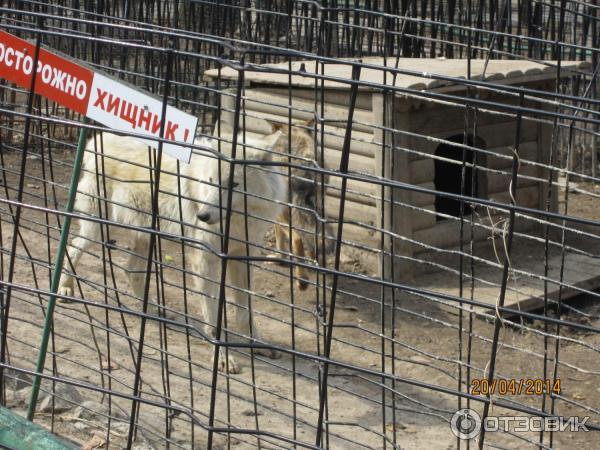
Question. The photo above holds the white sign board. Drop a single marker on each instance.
(122, 108)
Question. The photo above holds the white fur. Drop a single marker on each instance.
(128, 191)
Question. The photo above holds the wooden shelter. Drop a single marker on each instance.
(414, 135)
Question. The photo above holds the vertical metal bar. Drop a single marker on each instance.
(247, 268)
(48, 246)
(471, 236)
(292, 297)
(222, 233)
(383, 248)
(321, 288)
(551, 159)
(511, 228)
(224, 259)
(58, 266)
(557, 340)
(595, 63)
(461, 274)
(474, 180)
(5, 300)
(151, 246)
(103, 210)
(345, 159)
(186, 310)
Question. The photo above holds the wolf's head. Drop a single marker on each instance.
(256, 187)
(298, 140)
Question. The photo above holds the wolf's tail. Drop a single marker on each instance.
(305, 218)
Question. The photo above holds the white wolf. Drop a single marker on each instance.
(128, 191)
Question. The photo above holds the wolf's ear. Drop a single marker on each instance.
(272, 139)
(278, 126)
(225, 128)
(309, 123)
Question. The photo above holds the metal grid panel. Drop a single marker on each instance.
(367, 357)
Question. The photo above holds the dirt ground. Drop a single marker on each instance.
(94, 347)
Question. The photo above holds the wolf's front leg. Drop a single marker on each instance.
(239, 275)
(207, 268)
(88, 233)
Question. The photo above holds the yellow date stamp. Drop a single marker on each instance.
(513, 386)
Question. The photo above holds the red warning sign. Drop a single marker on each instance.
(97, 96)
(57, 78)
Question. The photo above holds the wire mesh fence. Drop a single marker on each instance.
(389, 216)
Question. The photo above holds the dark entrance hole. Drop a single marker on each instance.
(448, 175)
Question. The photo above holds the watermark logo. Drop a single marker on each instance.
(467, 423)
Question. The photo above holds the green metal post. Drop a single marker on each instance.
(58, 266)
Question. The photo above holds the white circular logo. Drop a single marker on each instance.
(465, 423)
